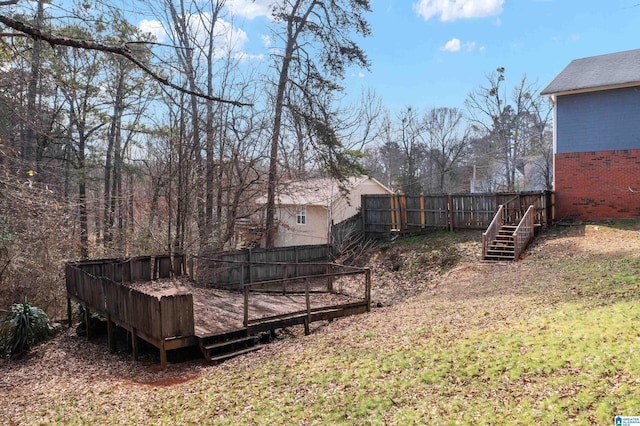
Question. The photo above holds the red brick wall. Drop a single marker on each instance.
(597, 185)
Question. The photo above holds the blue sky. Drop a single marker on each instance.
(413, 66)
(433, 53)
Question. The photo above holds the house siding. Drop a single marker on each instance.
(597, 185)
(314, 231)
(605, 120)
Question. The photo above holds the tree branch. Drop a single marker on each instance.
(123, 51)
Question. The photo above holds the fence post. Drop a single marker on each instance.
(422, 212)
(363, 206)
(450, 210)
(250, 257)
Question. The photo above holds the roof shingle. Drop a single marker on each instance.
(613, 69)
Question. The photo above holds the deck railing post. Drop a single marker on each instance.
(367, 288)
(308, 302)
(284, 279)
(246, 306)
(69, 311)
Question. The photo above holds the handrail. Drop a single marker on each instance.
(492, 231)
(523, 232)
(246, 288)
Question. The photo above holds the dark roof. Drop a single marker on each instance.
(586, 74)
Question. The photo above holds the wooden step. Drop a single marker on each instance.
(498, 257)
(228, 355)
(496, 243)
(233, 342)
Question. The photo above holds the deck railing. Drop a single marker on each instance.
(492, 231)
(322, 283)
(524, 232)
(163, 321)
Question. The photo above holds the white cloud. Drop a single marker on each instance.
(154, 27)
(244, 56)
(450, 10)
(452, 45)
(266, 40)
(455, 45)
(231, 39)
(250, 9)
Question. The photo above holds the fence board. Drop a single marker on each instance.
(418, 213)
(231, 270)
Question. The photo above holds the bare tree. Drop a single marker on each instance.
(447, 142)
(508, 122)
(316, 38)
(123, 49)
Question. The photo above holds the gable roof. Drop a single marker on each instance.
(316, 191)
(621, 69)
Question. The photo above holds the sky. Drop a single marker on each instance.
(433, 53)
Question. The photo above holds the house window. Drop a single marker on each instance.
(301, 216)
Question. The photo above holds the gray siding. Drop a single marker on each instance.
(598, 121)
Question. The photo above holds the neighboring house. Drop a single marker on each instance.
(597, 137)
(306, 209)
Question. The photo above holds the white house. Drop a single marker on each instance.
(306, 209)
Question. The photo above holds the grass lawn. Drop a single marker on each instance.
(552, 339)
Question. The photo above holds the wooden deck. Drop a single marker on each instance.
(219, 312)
(152, 299)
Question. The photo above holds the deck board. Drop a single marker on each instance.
(221, 311)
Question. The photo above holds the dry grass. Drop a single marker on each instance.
(547, 340)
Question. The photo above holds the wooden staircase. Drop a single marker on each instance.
(503, 247)
(505, 241)
(222, 347)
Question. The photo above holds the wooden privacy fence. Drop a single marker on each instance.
(232, 270)
(382, 214)
(166, 322)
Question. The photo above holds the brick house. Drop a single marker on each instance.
(597, 137)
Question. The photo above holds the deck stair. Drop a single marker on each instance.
(505, 241)
(503, 246)
(222, 347)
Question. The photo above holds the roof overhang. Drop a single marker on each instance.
(592, 89)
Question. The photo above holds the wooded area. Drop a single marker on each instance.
(120, 138)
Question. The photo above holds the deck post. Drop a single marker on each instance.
(246, 306)
(86, 319)
(110, 341)
(163, 354)
(284, 279)
(69, 311)
(329, 277)
(307, 300)
(134, 343)
(367, 288)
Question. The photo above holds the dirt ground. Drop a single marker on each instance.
(408, 280)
